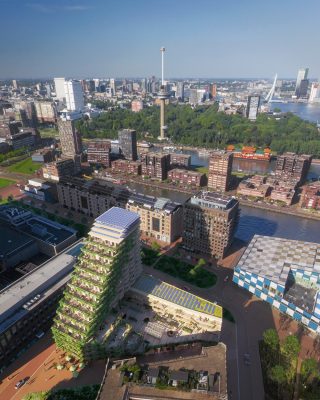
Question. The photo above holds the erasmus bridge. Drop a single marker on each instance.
(269, 96)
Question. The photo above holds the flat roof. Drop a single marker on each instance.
(118, 218)
(13, 297)
(149, 285)
(12, 240)
(46, 230)
(213, 200)
(273, 257)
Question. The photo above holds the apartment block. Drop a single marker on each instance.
(46, 111)
(92, 197)
(160, 218)
(220, 169)
(59, 169)
(185, 177)
(293, 167)
(109, 265)
(155, 165)
(210, 221)
(180, 160)
(126, 167)
(99, 152)
(70, 138)
(310, 197)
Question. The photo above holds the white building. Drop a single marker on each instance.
(301, 89)
(74, 95)
(113, 86)
(59, 89)
(315, 93)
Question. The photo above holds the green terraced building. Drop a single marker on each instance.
(109, 265)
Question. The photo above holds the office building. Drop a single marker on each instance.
(128, 144)
(180, 160)
(59, 89)
(109, 265)
(163, 96)
(40, 189)
(286, 274)
(302, 82)
(59, 169)
(292, 167)
(180, 91)
(44, 155)
(24, 138)
(126, 167)
(155, 165)
(74, 95)
(210, 221)
(315, 93)
(220, 169)
(253, 105)
(213, 90)
(92, 197)
(99, 152)
(187, 178)
(28, 306)
(160, 218)
(14, 84)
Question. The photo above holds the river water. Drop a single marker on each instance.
(309, 112)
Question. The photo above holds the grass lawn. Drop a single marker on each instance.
(26, 166)
(5, 182)
(180, 269)
(48, 132)
(203, 170)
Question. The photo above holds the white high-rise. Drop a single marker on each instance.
(74, 95)
(59, 89)
(113, 86)
(315, 93)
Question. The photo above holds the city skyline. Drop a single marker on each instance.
(78, 39)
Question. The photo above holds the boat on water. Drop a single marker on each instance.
(144, 144)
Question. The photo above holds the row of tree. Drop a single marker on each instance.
(204, 126)
(279, 365)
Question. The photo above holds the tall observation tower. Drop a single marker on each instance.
(162, 95)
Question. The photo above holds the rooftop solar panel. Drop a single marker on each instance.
(118, 217)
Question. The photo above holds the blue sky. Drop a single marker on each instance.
(116, 38)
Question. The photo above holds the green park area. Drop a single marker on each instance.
(26, 166)
(48, 132)
(195, 275)
(5, 182)
(202, 170)
(279, 360)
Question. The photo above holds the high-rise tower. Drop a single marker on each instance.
(163, 95)
(109, 265)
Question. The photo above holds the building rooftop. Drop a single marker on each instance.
(149, 285)
(12, 241)
(19, 296)
(118, 218)
(160, 203)
(213, 200)
(273, 257)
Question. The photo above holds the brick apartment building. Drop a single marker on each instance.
(220, 168)
(99, 152)
(155, 165)
(180, 160)
(190, 178)
(310, 197)
(126, 167)
(210, 221)
(293, 167)
(91, 198)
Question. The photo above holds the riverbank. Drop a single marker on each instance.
(282, 210)
(288, 210)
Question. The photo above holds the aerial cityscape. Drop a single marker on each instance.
(159, 203)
